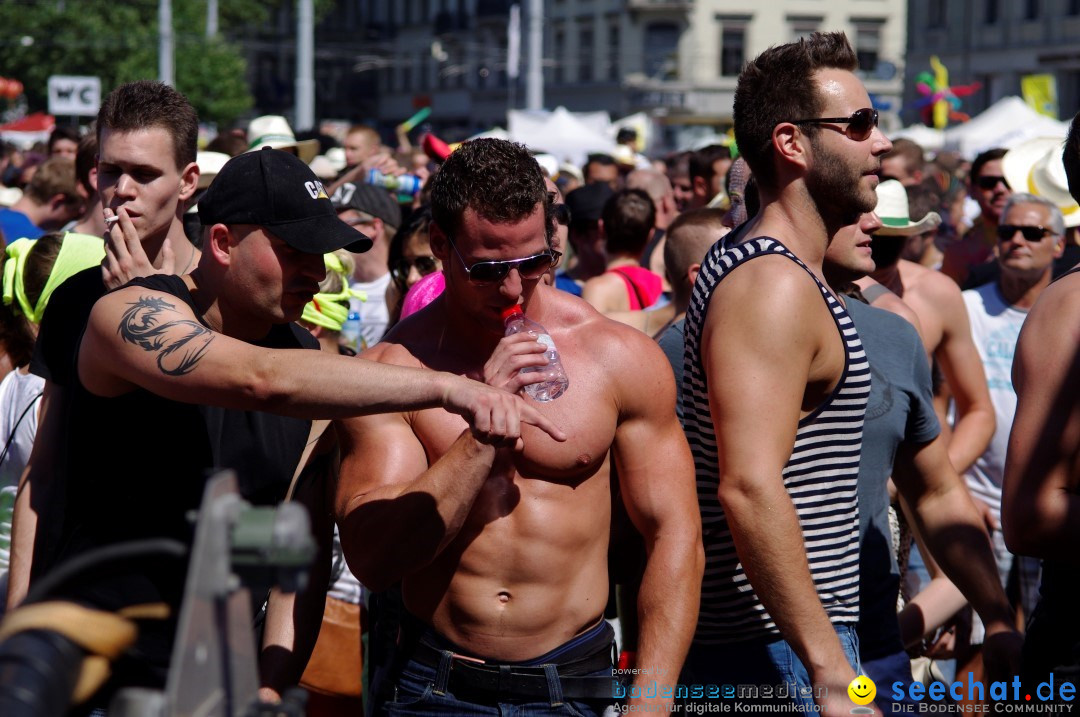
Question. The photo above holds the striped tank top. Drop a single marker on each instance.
(821, 476)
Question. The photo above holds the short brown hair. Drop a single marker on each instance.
(629, 217)
(147, 104)
(497, 179)
(85, 161)
(777, 86)
(911, 152)
(54, 176)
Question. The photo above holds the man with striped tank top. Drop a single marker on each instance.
(775, 390)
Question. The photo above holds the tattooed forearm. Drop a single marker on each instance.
(178, 343)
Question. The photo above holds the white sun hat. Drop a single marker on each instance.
(1035, 167)
(274, 131)
(892, 209)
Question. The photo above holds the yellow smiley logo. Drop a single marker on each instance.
(862, 690)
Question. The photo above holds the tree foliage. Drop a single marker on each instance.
(117, 40)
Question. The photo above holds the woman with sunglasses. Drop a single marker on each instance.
(410, 260)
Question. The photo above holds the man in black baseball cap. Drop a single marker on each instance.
(160, 353)
(275, 190)
(374, 211)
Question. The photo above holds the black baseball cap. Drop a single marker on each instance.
(368, 199)
(277, 191)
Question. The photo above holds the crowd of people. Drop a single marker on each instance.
(821, 419)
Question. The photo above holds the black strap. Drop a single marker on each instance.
(7, 446)
(633, 287)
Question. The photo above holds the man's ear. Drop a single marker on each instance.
(218, 241)
(92, 177)
(440, 243)
(692, 272)
(1059, 249)
(189, 182)
(790, 143)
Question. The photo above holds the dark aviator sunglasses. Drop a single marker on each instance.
(859, 125)
(491, 272)
(1005, 232)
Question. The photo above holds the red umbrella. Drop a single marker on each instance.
(37, 122)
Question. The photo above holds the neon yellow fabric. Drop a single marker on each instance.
(77, 252)
(330, 310)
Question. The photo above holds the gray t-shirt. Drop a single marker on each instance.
(900, 408)
(671, 342)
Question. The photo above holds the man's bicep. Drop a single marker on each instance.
(650, 443)
(151, 340)
(757, 374)
(377, 451)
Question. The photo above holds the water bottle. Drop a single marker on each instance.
(350, 331)
(404, 184)
(555, 381)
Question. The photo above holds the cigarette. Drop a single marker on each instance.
(109, 221)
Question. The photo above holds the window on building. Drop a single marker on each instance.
(406, 12)
(406, 76)
(1074, 7)
(1031, 10)
(990, 12)
(613, 51)
(661, 50)
(868, 44)
(803, 26)
(585, 52)
(935, 15)
(558, 52)
(732, 49)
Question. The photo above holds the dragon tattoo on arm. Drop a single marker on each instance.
(179, 343)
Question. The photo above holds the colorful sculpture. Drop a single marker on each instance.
(940, 103)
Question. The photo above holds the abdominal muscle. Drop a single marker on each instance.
(526, 573)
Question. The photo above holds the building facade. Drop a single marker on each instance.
(996, 43)
(677, 60)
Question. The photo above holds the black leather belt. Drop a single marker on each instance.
(468, 674)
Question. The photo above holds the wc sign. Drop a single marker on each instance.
(74, 95)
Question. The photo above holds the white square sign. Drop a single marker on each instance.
(74, 95)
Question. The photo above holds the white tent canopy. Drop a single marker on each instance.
(561, 133)
(1006, 123)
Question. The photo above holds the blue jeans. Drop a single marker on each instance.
(423, 690)
(884, 671)
(769, 671)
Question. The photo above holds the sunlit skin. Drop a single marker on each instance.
(514, 563)
(138, 176)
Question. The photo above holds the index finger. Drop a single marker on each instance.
(533, 417)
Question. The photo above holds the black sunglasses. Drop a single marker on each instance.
(424, 266)
(1005, 232)
(491, 272)
(989, 181)
(859, 125)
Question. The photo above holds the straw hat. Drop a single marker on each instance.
(210, 163)
(1035, 167)
(274, 131)
(892, 209)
